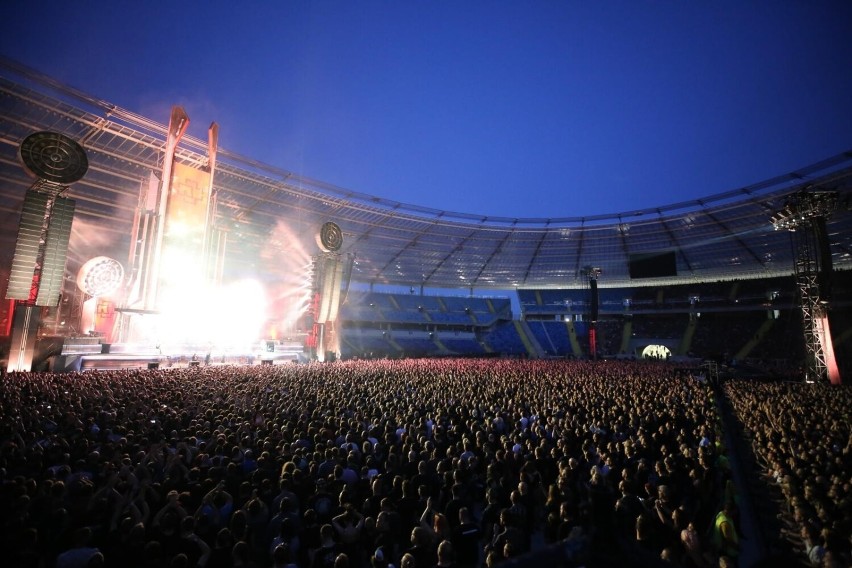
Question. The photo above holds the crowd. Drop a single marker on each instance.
(412, 463)
(802, 439)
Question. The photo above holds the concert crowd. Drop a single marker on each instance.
(412, 463)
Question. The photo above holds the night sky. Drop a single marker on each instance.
(515, 109)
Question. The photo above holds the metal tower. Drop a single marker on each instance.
(592, 273)
(804, 216)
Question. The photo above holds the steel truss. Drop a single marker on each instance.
(802, 216)
(813, 308)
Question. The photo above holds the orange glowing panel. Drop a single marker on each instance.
(186, 215)
(104, 318)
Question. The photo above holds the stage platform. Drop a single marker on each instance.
(88, 353)
(109, 361)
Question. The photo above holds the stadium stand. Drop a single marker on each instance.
(461, 343)
(552, 336)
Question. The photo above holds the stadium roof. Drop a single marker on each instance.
(723, 236)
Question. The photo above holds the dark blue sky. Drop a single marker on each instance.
(527, 109)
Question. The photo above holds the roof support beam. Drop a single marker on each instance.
(736, 238)
(675, 242)
(452, 253)
(531, 263)
(494, 253)
(411, 244)
(579, 251)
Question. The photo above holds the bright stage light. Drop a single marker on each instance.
(192, 311)
(233, 316)
(227, 317)
(288, 263)
(178, 267)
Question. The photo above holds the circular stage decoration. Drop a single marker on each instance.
(330, 237)
(100, 276)
(54, 157)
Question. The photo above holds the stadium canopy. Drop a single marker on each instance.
(269, 212)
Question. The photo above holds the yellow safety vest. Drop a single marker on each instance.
(726, 547)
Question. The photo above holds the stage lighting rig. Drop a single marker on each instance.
(803, 208)
(805, 215)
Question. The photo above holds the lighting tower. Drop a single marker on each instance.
(804, 216)
(593, 273)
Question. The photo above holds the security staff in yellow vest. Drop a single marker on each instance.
(725, 537)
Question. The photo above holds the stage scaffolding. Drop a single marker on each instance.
(804, 216)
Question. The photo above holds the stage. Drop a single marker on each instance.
(90, 353)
